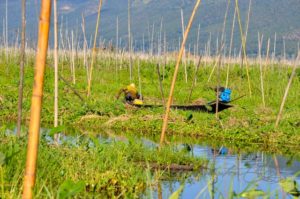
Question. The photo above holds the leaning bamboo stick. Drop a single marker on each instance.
(285, 95)
(170, 99)
(230, 48)
(22, 62)
(94, 49)
(36, 100)
(243, 39)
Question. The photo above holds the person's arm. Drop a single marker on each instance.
(120, 92)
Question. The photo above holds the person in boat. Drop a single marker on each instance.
(131, 94)
(224, 94)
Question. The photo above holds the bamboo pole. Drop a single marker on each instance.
(55, 65)
(6, 27)
(170, 99)
(160, 85)
(285, 95)
(94, 49)
(230, 47)
(195, 79)
(85, 63)
(36, 100)
(73, 57)
(184, 51)
(22, 63)
(198, 39)
(243, 39)
(260, 41)
(129, 40)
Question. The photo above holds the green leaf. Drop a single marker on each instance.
(253, 193)
(2, 159)
(69, 189)
(177, 193)
(287, 184)
(56, 130)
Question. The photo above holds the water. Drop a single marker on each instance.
(236, 172)
(229, 170)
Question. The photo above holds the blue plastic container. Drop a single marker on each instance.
(225, 96)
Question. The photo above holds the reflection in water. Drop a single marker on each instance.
(230, 171)
(236, 173)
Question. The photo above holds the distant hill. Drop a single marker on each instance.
(267, 17)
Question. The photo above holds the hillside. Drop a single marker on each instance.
(267, 17)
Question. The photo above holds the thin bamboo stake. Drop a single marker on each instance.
(198, 38)
(55, 65)
(56, 60)
(129, 40)
(195, 79)
(22, 62)
(170, 99)
(243, 39)
(285, 95)
(184, 51)
(85, 62)
(160, 85)
(260, 41)
(222, 40)
(117, 35)
(73, 57)
(230, 48)
(274, 48)
(94, 49)
(6, 30)
(160, 38)
(139, 76)
(248, 20)
(36, 100)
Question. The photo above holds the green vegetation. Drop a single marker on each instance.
(91, 168)
(247, 123)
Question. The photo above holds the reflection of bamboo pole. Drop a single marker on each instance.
(36, 100)
(94, 49)
(165, 122)
(22, 62)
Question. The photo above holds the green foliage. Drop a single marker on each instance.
(100, 170)
(70, 189)
(177, 193)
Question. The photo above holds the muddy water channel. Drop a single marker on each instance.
(232, 173)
